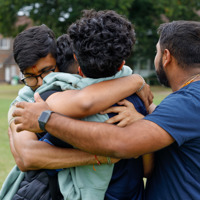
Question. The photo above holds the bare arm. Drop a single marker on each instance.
(98, 97)
(139, 138)
(136, 139)
(31, 154)
(15, 154)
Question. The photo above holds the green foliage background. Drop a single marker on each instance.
(146, 15)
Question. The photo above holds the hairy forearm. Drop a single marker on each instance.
(94, 98)
(138, 138)
(94, 138)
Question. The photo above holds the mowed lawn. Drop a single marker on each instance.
(7, 94)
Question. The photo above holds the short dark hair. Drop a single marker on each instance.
(65, 59)
(32, 44)
(182, 39)
(101, 41)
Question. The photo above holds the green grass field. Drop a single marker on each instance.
(7, 94)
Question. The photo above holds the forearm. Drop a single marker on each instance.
(51, 157)
(152, 107)
(16, 156)
(82, 136)
(31, 154)
(94, 98)
(110, 140)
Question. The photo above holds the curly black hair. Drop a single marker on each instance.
(32, 44)
(101, 41)
(65, 59)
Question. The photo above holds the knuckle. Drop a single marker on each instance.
(16, 121)
(18, 104)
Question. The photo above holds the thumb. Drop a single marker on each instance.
(38, 98)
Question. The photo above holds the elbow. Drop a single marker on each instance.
(27, 162)
(23, 165)
(124, 153)
(20, 165)
(22, 168)
(85, 108)
(124, 150)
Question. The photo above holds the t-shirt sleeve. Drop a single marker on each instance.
(177, 114)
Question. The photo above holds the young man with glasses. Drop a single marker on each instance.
(32, 80)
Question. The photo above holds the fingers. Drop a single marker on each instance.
(21, 104)
(17, 112)
(127, 105)
(123, 123)
(114, 109)
(123, 120)
(18, 120)
(146, 104)
(146, 95)
(19, 128)
(114, 119)
(125, 102)
(149, 102)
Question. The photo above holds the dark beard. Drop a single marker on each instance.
(161, 75)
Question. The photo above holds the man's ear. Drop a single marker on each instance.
(167, 57)
(120, 67)
(80, 71)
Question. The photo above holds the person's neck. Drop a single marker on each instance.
(182, 78)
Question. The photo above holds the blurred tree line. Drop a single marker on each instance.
(146, 15)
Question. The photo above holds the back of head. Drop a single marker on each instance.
(182, 39)
(101, 41)
(32, 44)
(65, 59)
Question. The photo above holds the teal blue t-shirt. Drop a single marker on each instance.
(177, 167)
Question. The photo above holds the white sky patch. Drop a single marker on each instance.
(27, 9)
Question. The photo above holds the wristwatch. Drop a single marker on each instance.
(43, 119)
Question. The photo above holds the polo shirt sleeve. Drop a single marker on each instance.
(177, 114)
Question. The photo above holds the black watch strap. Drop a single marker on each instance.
(43, 119)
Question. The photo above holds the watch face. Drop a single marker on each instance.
(44, 117)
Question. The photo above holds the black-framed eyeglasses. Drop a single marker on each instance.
(32, 81)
